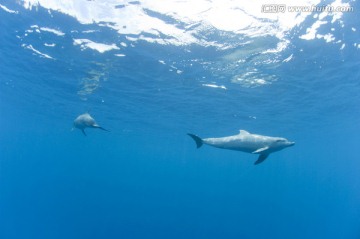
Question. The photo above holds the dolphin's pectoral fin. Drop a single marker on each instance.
(261, 158)
(83, 131)
(261, 150)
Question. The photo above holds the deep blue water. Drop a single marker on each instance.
(146, 179)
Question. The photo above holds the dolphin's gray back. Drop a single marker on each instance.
(241, 142)
(83, 121)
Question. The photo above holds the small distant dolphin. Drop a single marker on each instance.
(86, 121)
(246, 142)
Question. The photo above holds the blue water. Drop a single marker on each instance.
(146, 179)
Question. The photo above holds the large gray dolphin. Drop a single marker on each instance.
(86, 121)
(246, 142)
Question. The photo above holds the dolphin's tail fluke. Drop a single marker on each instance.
(96, 126)
(198, 140)
(99, 127)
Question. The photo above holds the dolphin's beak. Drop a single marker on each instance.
(291, 143)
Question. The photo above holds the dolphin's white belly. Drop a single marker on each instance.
(245, 144)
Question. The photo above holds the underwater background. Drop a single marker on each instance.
(153, 71)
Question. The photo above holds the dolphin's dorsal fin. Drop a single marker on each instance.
(261, 150)
(243, 132)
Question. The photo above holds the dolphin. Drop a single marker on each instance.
(86, 121)
(247, 142)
